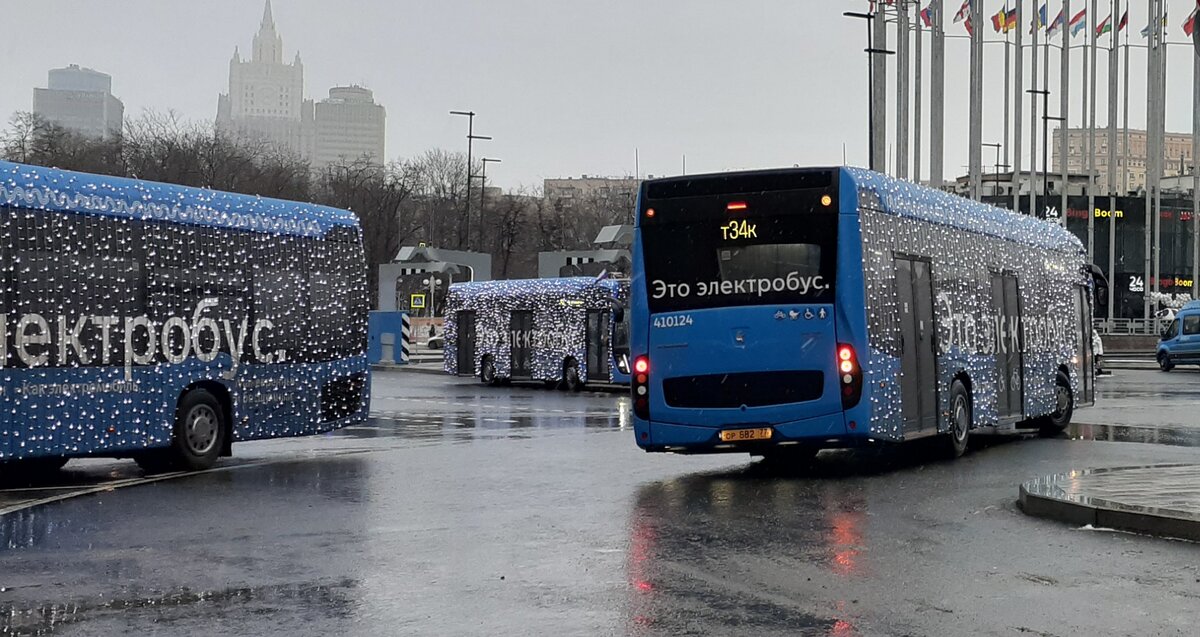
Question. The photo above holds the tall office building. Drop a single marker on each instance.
(80, 99)
(1177, 155)
(349, 127)
(266, 95)
(266, 101)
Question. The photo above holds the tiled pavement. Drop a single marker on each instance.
(1159, 499)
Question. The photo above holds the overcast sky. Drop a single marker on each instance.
(565, 87)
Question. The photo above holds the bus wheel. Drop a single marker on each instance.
(196, 439)
(1164, 362)
(1064, 407)
(571, 379)
(960, 420)
(487, 371)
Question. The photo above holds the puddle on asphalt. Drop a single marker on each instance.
(330, 599)
(1171, 437)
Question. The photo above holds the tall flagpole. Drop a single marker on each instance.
(902, 74)
(1018, 103)
(879, 101)
(937, 98)
(1151, 79)
(1195, 155)
(1089, 20)
(1007, 94)
(1125, 111)
(917, 98)
(1064, 109)
(975, 134)
(1033, 116)
(1113, 60)
(1160, 129)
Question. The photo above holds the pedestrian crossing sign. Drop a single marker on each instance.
(417, 302)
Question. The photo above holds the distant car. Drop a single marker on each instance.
(1180, 342)
(436, 342)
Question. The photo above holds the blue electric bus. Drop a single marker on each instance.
(780, 312)
(566, 332)
(164, 323)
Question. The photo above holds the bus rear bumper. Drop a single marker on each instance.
(825, 431)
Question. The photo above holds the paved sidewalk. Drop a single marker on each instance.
(1162, 500)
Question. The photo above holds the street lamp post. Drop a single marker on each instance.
(482, 194)
(871, 52)
(471, 137)
(996, 172)
(1046, 164)
(433, 282)
(1033, 187)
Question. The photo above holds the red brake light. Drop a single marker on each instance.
(845, 353)
(851, 375)
(641, 365)
(736, 205)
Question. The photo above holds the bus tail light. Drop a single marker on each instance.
(641, 387)
(850, 377)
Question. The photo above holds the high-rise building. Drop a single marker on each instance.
(266, 95)
(1177, 153)
(349, 127)
(80, 99)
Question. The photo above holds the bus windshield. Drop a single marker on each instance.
(732, 260)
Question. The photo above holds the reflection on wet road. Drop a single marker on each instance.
(465, 510)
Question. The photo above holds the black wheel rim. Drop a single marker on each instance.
(202, 427)
(962, 419)
(1062, 402)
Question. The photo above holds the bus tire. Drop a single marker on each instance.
(487, 371)
(960, 420)
(1064, 408)
(196, 439)
(1164, 362)
(571, 379)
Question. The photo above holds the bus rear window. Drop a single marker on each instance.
(755, 260)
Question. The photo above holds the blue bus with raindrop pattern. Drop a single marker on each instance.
(780, 312)
(164, 323)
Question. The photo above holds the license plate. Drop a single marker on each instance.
(738, 435)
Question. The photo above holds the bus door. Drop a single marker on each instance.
(1083, 318)
(918, 363)
(599, 331)
(520, 326)
(1010, 363)
(466, 343)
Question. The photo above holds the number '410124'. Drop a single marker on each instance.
(674, 320)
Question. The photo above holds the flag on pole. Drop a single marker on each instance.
(1078, 22)
(927, 16)
(1124, 21)
(970, 27)
(1011, 20)
(999, 21)
(1146, 31)
(1059, 20)
(963, 11)
(1104, 27)
(1039, 19)
(1189, 25)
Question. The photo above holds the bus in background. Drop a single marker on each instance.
(780, 312)
(565, 332)
(164, 323)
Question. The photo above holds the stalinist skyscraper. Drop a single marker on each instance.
(266, 95)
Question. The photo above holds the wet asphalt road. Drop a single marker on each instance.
(464, 510)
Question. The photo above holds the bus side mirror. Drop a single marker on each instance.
(619, 315)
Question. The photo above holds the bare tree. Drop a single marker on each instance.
(378, 195)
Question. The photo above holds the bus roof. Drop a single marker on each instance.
(565, 286)
(906, 199)
(38, 188)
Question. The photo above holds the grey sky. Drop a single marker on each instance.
(565, 87)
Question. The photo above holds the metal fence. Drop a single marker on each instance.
(1132, 327)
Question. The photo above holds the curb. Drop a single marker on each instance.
(1047, 498)
(381, 367)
